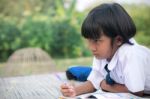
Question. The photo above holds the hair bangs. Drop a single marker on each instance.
(90, 28)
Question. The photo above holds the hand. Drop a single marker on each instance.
(68, 90)
(103, 85)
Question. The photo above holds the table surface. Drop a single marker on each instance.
(45, 86)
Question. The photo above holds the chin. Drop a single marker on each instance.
(98, 57)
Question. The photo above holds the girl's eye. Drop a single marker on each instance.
(94, 41)
(97, 40)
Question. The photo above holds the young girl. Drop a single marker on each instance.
(120, 64)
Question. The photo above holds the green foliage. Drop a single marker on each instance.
(9, 39)
(52, 26)
(66, 40)
(20, 8)
(36, 34)
(143, 38)
(142, 22)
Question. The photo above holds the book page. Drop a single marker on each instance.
(107, 95)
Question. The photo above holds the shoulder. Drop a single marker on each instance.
(134, 57)
(134, 51)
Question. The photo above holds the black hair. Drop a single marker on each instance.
(111, 20)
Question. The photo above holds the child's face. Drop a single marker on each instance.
(102, 48)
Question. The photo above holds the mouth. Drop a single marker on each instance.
(95, 54)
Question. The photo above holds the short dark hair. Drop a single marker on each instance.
(110, 19)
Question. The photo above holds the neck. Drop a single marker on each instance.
(114, 49)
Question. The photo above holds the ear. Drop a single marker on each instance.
(119, 40)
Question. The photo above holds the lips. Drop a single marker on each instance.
(95, 54)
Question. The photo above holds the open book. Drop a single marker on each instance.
(105, 95)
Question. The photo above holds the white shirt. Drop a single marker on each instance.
(130, 65)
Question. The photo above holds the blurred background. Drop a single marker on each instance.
(43, 36)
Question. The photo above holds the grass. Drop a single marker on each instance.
(2, 68)
(60, 65)
(63, 64)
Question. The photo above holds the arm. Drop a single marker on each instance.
(70, 91)
(113, 88)
(86, 87)
(117, 88)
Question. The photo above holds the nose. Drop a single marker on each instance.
(92, 47)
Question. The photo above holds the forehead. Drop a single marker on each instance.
(103, 39)
(103, 36)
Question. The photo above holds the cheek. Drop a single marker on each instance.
(104, 50)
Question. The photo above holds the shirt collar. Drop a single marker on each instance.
(113, 63)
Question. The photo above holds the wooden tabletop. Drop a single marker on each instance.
(44, 86)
